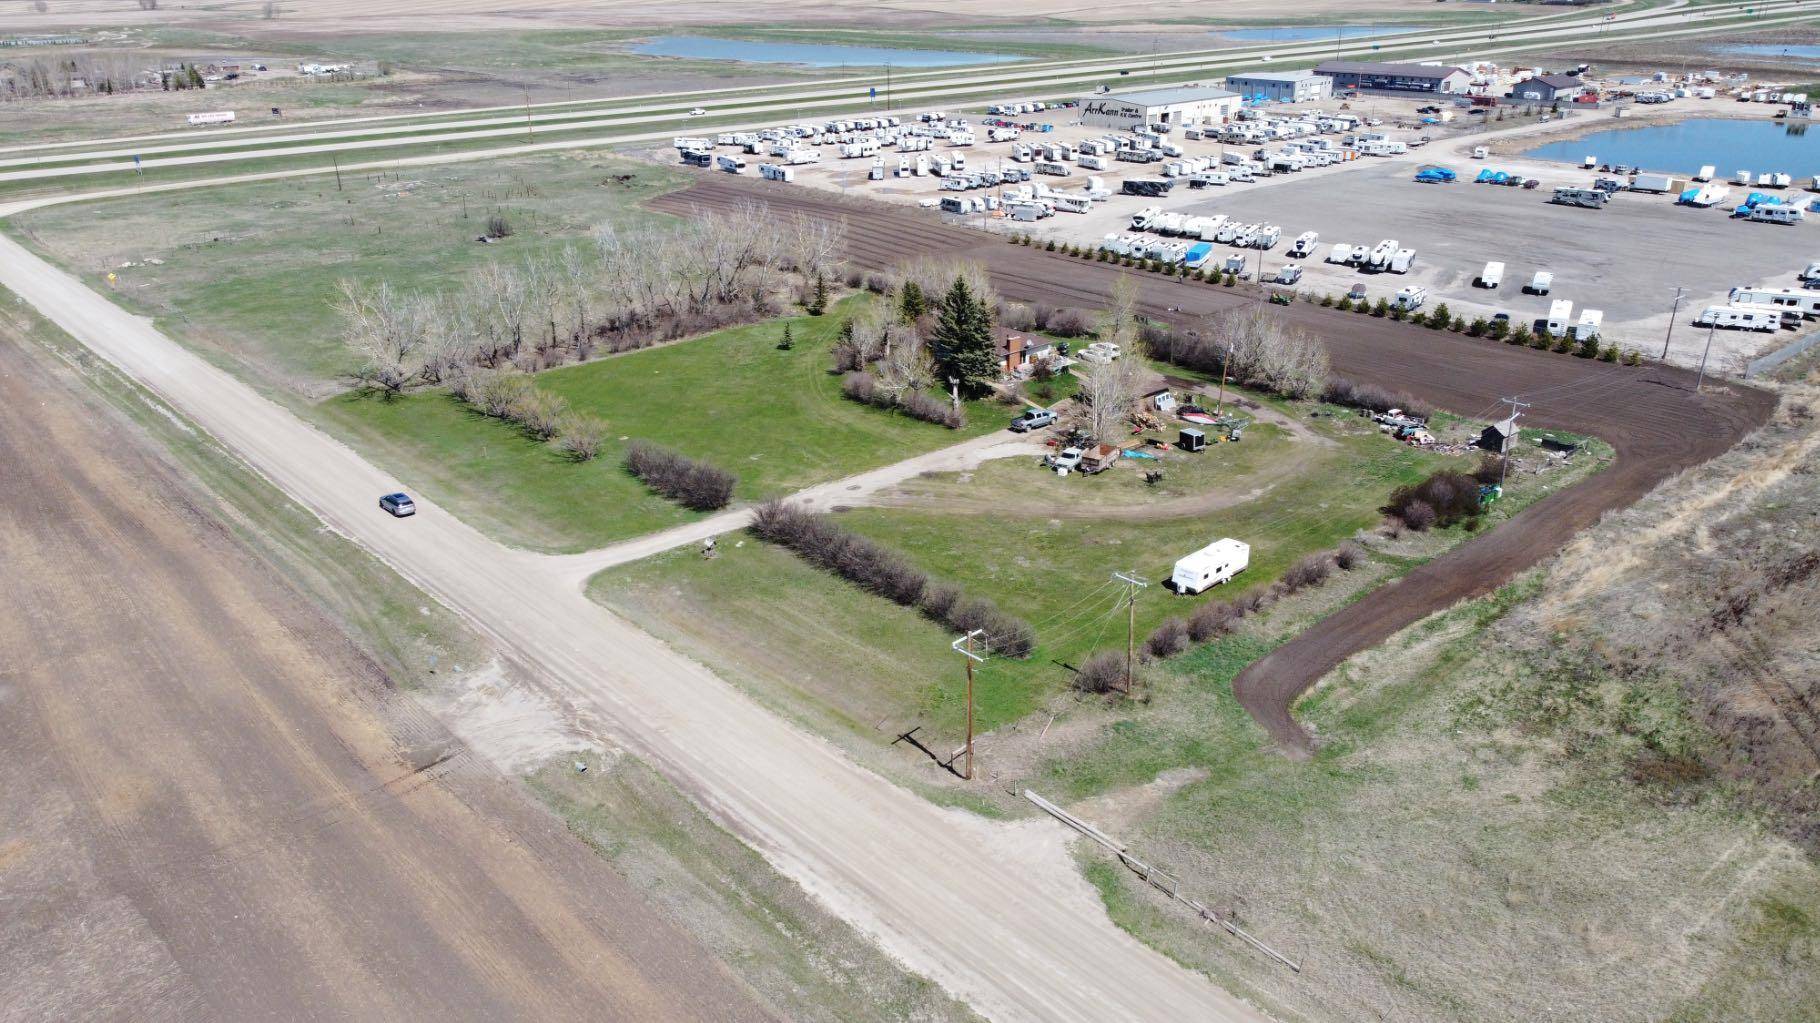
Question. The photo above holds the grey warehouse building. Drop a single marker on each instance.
(1281, 86)
(1189, 104)
(1380, 77)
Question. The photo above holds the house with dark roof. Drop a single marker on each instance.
(1373, 76)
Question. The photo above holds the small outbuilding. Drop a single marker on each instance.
(1191, 440)
(1500, 436)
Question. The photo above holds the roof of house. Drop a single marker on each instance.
(1555, 81)
(1504, 427)
(1166, 97)
(1272, 76)
(1403, 70)
(1028, 342)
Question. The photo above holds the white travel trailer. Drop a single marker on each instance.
(1492, 275)
(1212, 565)
(1560, 315)
(1775, 214)
(1381, 253)
(1401, 261)
(1588, 327)
(1734, 318)
(1807, 303)
(1341, 253)
(776, 172)
(1706, 173)
(1411, 298)
(730, 164)
(1304, 243)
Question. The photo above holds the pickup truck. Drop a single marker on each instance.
(1032, 419)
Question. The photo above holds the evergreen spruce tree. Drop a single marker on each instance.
(789, 340)
(963, 339)
(818, 299)
(913, 304)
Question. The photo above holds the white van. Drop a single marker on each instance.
(1213, 564)
(1492, 275)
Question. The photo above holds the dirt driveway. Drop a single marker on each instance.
(213, 807)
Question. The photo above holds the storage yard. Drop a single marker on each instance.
(1355, 170)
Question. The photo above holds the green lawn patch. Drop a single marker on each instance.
(774, 418)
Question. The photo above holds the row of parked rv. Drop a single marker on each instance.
(1767, 309)
(1387, 256)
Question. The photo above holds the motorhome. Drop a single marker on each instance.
(697, 158)
(1212, 565)
(1807, 303)
(1072, 203)
(1049, 167)
(1491, 276)
(1588, 327)
(730, 164)
(1560, 316)
(1588, 198)
(1411, 298)
(1151, 187)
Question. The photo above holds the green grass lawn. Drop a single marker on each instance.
(775, 418)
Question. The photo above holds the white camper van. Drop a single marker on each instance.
(1213, 564)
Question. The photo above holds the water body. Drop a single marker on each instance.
(812, 54)
(1306, 33)
(1803, 54)
(1686, 146)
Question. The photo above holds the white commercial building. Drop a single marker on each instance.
(1281, 86)
(1183, 105)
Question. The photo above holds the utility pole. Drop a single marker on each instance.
(1676, 311)
(1516, 408)
(1132, 585)
(1701, 379)
(964, 647)
(1225, 363)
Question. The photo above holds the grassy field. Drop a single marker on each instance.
(853, 664)
(774, 418)
(248, 273)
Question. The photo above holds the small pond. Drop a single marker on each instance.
(1684, 147)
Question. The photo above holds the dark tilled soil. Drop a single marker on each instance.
(213, 807)
(1650, 415)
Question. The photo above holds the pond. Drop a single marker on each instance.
(1684, 147)
(811, 54)
(1801, 54)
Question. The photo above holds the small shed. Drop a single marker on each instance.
(1099, 458)
(1500, 436)
(1162, 401)
(1191, 440)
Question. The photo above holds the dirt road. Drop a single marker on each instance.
(996, 913)
(213, 807)
(1650, 415)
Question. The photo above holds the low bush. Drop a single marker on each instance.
(1311, 570)
(1490, 470)
(861, 386)
(1213, 620)
(1448, 497)
(694, 485)
(1104, 672)
(1169, 638)
(873, 567)
(1372, 398)
(1349, 557)
(580, 436)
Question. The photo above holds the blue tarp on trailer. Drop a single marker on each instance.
(1197, 255)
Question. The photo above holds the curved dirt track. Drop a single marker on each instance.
(1650, 414)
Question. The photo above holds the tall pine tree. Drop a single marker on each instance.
(913, 304)
(963, 340)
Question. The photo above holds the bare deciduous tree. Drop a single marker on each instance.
(389, 331)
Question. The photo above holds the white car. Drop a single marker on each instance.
(697, 112)
(1065, 460)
